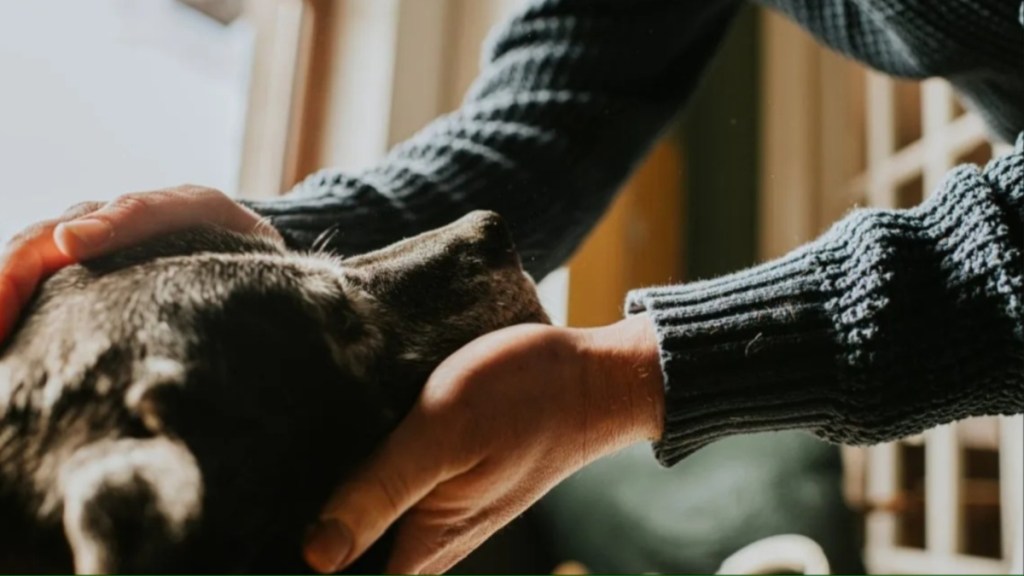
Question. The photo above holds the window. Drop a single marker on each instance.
(245, 96)
(116, 96)
(950, 500)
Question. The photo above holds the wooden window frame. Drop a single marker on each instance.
(829, 144)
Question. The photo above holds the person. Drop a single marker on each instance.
(890, 323)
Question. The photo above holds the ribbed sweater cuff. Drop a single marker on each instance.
(890, 323)
(743, 353)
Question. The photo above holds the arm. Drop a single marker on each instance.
(891, 323)
(975, 44)
(571, 95)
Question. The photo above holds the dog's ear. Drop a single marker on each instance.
(131, 505)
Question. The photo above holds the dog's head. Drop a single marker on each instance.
(189, 404)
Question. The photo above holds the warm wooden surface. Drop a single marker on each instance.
(638, 243)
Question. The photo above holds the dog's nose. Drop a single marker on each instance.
(490, 238)
(478, 238)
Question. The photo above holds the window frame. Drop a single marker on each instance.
(829, 142)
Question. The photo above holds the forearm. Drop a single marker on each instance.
(570, 98)
(891, 323)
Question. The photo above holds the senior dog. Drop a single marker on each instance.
(189, 404)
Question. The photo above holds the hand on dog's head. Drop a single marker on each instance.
(189, 404)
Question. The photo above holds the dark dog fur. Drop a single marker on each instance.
(188, 405)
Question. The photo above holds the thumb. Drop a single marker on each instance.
(136, 217)
(400, 474)
(30, 257)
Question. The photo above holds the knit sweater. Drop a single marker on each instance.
(891, 323)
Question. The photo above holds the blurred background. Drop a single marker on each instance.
(104, 97)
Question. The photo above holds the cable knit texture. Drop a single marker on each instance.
(891, 323)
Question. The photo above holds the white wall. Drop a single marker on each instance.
(102, 97)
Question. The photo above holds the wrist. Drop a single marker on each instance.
(624, 365)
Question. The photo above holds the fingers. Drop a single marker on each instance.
(28, 258)
(91, 229)
(79, 210)
(433, 538)
(431, 543)
(402, 472)
(133, 218)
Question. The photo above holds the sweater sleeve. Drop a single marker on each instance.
(977, 45)
(571, 95)
(891, 323)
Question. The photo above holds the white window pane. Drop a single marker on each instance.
(103, 97)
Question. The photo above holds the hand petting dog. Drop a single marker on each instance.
(94, 228)
(499, 423)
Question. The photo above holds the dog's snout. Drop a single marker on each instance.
(492, 238)
(498, 250)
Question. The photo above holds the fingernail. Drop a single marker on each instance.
(327, 546)
(87, 234)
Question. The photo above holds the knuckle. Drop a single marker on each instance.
(393, 489)
(219, 208)
(421, 544)
(81, 209)
(133, 204)
(433, 544)
(452, 535)
(197, 192)
(443, 548)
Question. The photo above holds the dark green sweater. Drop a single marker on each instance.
(891, 323)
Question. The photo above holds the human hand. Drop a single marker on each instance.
(94, 228)
(498, 424)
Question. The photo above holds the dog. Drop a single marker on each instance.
(188, 405)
